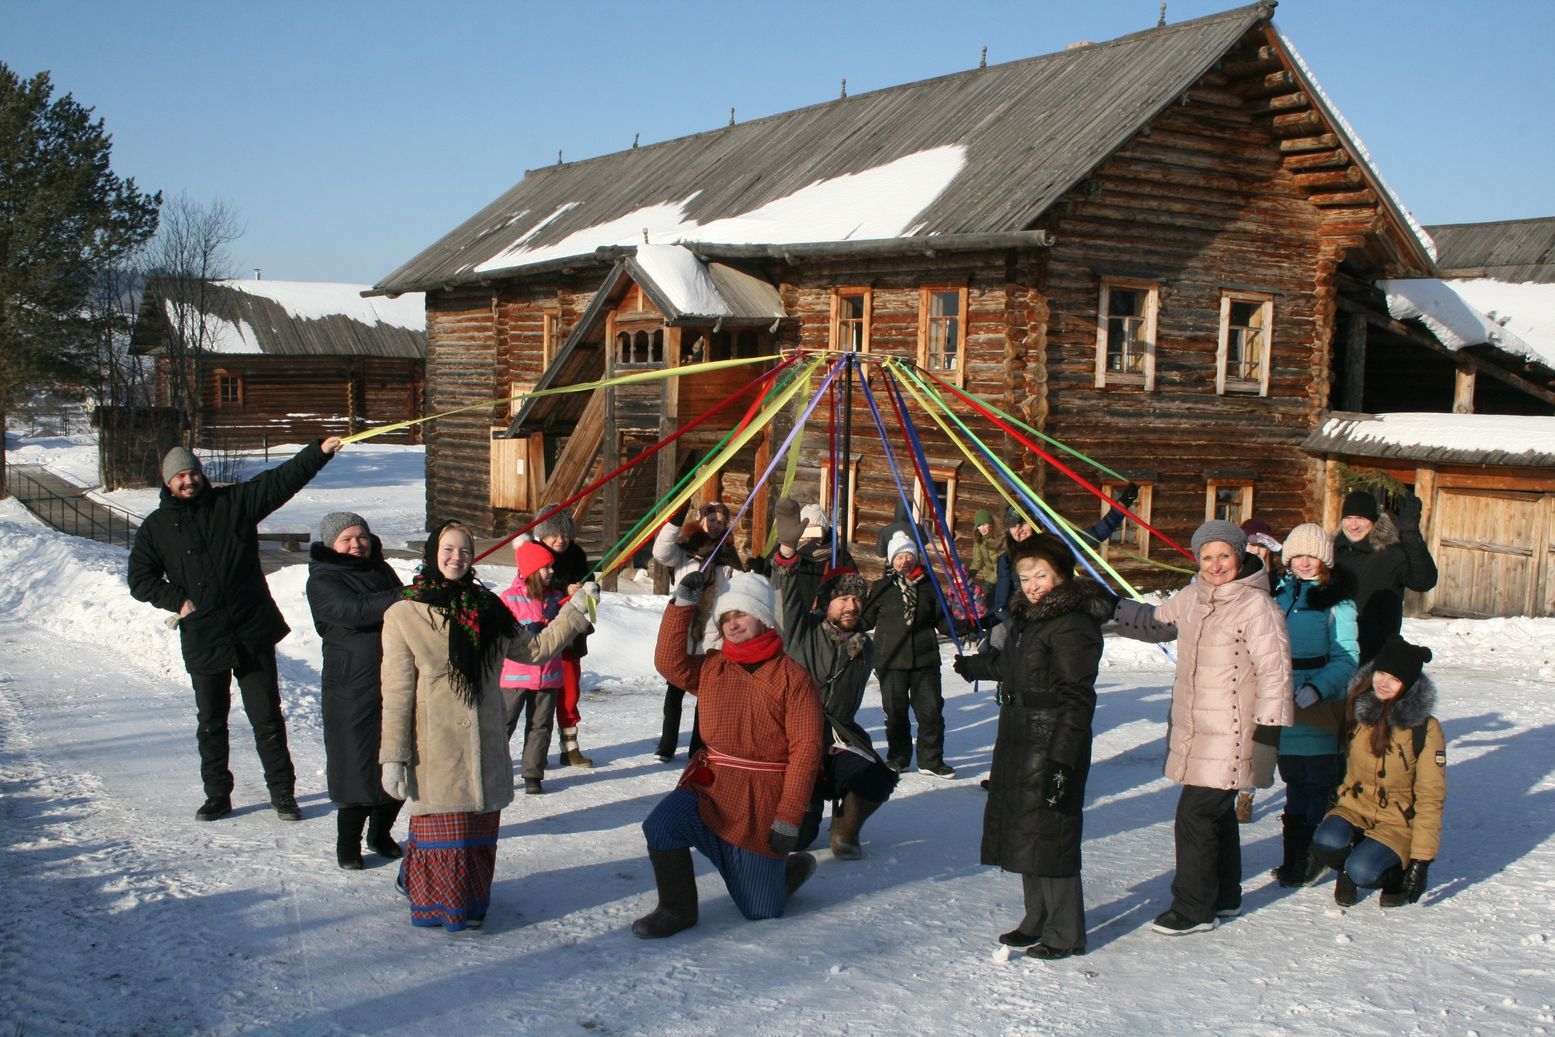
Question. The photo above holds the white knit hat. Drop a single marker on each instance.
(750, 594)
(1309, 538)
(898, 543)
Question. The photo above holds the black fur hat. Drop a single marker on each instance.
(1047, 547)
(1402, 659)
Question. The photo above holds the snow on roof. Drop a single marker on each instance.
(223, 336)
(1455, 436)
(1480, 312)
(1364, 155)
(684, 278)
(880, 202)
(315, 300)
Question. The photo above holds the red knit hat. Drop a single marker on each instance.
(531, 557)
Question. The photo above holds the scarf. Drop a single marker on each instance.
(757, 650)
(909, 587)
(478, 624)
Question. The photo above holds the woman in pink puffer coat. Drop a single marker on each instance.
(1233, 675)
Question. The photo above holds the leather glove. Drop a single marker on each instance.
(1129, 495)
(790, 527)
(689, 589)
(1306, 695)
(1407, 513)
(1058, 787)
(759, 565)
(961, 666)
(1414, 880)
(784, 838)
(394, 780)
(584, 596)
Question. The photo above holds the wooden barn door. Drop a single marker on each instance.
(1494, 553)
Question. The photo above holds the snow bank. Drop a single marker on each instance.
(881, 202)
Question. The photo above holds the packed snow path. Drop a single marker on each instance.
(130, 917)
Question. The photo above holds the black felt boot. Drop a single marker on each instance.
(348, 836)
(380, 823)
(677, 884)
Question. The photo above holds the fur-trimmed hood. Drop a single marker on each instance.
(1081, 594)
(1383, 535)
(1413, 707)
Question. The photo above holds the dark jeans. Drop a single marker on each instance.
(669, 738)
(261, 692)
(919, 689)
(1367, 864)
(842, 773)
(1309, 785)
(1209, 853)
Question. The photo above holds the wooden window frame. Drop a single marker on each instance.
(834, 336)
(850, 496)
(1146, 377)
(926, 294)
(950, 475)
(1131, 535)
(1224, 383)
(550, 334)
(223, 379)
(1211, 492)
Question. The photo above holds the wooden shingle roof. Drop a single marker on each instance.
(1029, 131)
(1516, 251)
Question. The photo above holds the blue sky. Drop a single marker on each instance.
(350, 135)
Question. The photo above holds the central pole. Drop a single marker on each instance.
(847, 452)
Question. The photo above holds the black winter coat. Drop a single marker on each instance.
(840, 668)
(1048, 669)
(206, 550)
(348, 597)
(1380, 568)
(904, 642)
(814, 561)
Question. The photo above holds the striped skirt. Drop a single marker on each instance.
(447, 870)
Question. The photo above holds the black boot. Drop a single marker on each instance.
(677, 883)
(796, 870)
(380, 822)
(1345, 893)
(348, 836)
(1393, 888)
(1300, 867)
(845, 825)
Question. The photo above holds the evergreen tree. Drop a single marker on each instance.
(64, 217)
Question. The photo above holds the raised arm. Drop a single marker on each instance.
(671, 658)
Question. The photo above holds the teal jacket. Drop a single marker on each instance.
(1322, 626)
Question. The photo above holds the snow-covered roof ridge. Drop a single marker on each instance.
(315, 300)
(1517, 319)
(1469, 438)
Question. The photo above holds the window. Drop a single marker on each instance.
(550, 334)
(1230, 500)
(1125, 333)
(1131, 536)
(640, 348)
(944, 481)
(851, 311)
(942, 331)
(1246, 334)
(849, 488)
(229, 389)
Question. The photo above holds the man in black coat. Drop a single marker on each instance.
(1382, 556)
(197, 556)
(828, 643)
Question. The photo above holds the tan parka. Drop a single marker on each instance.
(1233, 674)
(1397, 798)
(456, 756)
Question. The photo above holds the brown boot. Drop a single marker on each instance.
(677, 883)
(571, 754)
(1244, 808)
(845, 825)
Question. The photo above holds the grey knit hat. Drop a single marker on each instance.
(557, 524)
(337, 522)
(179, 459)
(1221, 530)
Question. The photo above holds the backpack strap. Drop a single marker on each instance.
(1418, 734)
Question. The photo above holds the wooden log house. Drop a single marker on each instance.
(1152, 248)
(285, 361)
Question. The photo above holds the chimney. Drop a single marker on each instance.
(258, 274)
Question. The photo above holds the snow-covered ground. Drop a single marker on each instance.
(130, 917)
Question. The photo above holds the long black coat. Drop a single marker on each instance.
(1380, 568)
(206, 550)
(904, 642)
(348, 597)
(1050, 654)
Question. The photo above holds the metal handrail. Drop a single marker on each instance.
(72, 514)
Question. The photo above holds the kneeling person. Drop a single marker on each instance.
(744, 795)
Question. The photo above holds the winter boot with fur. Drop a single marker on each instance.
(796, 871)
(845, 825)
(1244, 808)
(677, 883)
(572, 756)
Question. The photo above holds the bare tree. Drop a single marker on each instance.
(187, 254)
(122, 377)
